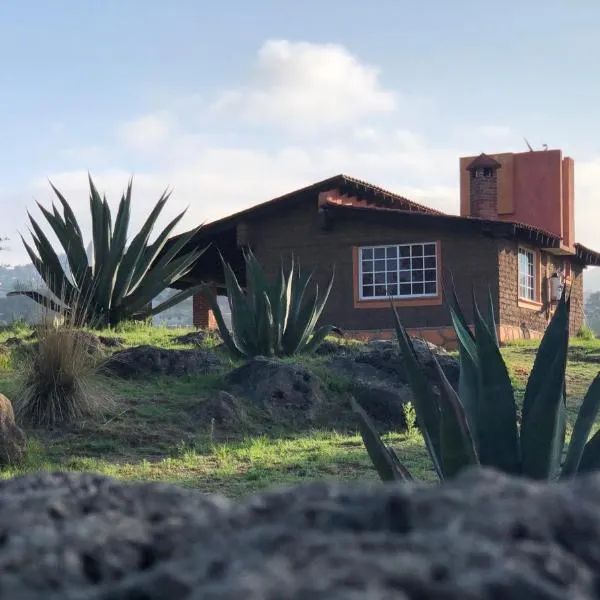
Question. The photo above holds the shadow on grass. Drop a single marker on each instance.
(242, 467)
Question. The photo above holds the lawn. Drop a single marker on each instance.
(151, 433)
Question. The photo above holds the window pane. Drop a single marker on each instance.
(404, 250)
(393, 290)
(367, 266)
(392, 277)
(380, 265)
(417, 250)
(367, 291)
(430, 275)
(379, 252)
(429, 249)
(392, 264)
(404, 263)
(380, 290)
(404, 276)
(417, 275)
(417, 263)
(367, 253)
(430, 262)
(417, 288)
(430, 288)
(405, 289)
(391, 251)
(367, 279)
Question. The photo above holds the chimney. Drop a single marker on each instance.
(483, 188)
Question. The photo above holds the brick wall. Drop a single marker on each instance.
(533, 320)
(472, 259)
(484, 196)
(203, 317)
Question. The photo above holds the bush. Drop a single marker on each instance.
(58, 381)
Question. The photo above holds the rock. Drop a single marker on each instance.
(197, 338)
(287, 392)
(141, 361)
(383, 403)
(383, 360)
(482, 536)
(111, 342)
(223, 409)
(13, 444)
(11, 342)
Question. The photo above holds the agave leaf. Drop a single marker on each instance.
(590, 460)
(130, 263)
(457, 443)
(177, 298)
(384, 463)
(457, 309)
(71, 244)
(424, 399)
(56, 278)
(541, 425)
(491, 321)
(228, 340)
(69, 215)
(583, 425)
(402, 470)
(317, 338)
(465, 337)
(497, 411)
(551, 344)
(43, 300)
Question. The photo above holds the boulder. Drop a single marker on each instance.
(223, 409)
(13, 444)
(141, 361)
(384, 403)
(286, 392)
(379, 360)
(481, 536)
(197, 338)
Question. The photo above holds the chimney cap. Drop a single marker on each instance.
(483, 161)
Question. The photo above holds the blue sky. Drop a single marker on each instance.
(232, 105)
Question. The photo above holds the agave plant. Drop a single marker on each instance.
(479, 424)
(276, 318)
(120, 281)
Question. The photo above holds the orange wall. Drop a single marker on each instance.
(535, 188)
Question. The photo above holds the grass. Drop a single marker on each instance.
(153, 434)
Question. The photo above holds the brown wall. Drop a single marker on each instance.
(470, 259)
(525, 319)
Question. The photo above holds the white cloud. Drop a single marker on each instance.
(146, 132)
(308, 86)
(501, 132)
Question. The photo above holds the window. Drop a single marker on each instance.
(527, 274)
(401, 271)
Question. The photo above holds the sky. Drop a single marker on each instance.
(232, 103)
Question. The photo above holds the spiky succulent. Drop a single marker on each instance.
(277, 318)
(478, 425)
(120, 281)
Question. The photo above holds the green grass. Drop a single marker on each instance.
(153, 433)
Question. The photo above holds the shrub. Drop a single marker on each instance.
(479, 425)
(120, 281)
(271, 318)
(57, 376)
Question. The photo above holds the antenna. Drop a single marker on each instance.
(528, 145)
(545, 147)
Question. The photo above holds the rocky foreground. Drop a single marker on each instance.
(482, 536)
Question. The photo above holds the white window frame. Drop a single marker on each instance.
(399, 296)
(530, 286)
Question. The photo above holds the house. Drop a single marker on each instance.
(515, 237)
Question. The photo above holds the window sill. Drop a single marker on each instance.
(529, 304)
(430, 301)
